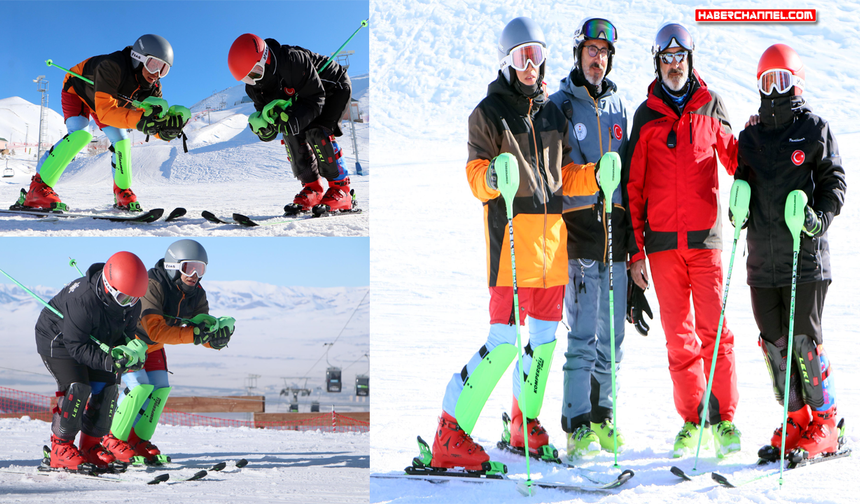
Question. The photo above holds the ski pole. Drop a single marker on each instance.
(739, 203)
(795, 214)
(508, 173)
(51, 63)
(610, 176)
(339, 49)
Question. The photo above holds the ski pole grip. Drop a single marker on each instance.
(609, 173)
(795, 213)
(508, 178)
(739, 204)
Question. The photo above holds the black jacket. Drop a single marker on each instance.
(163, 305)
(791, 148)
(293, 75)
(87, 310)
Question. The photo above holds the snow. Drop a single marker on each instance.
(432, 61)
(227, 169)
(280, 338)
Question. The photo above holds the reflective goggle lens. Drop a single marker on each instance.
(156, 66)
(599, 29)
(669, 58)
(121, 298)
(779, 79)
(521, 56)
(189, 268)
(258, 69)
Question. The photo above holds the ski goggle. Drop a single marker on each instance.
(258, 69)
(520, 56)
(188, 268)
(672, 35)
(598, 29)
(121, 298)
(779, 79)
(152, 64)
(669, 58)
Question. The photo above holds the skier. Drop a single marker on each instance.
(102, 306)
(792, 148)
(295, 96)
(598, 124)
(516, 107)
(133, 73)
(174, 297)
(679, 133)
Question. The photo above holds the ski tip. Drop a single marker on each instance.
(158, 479)
(677, 471)
(244, 220)
(719, 478)
(242, 463)
(176, 213)
(219, 466)
(626, 474)
(198, 475)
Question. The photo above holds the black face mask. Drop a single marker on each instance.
(187, 289)
(527, 91)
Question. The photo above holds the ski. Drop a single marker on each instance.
(175, 214)
(245, 221)
(88, 470)
(145, 217)
(440, 475)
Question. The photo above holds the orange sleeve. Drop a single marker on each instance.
(579, 180)
(159, 332)
(109, 112)
(476, 172)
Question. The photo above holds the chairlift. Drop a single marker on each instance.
(332, 379)
(315, 407)
(362, 385)
(8, 172)
(294, 407)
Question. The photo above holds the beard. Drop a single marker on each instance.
(595, 74)
(675, 79)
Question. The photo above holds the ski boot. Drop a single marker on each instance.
(797, 422)
(306, 199)
(94, 453)
(727, 438)
(452, 447)
(606, 433)
(687, 440)
(146, 451)
(538, 438)
(338, 198)
(64, 454)
(821, 436)
(124, 199)
(582, 442)
(40, 196)
(118, 448)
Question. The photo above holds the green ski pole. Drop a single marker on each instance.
(610, 176)
(739, 203)
(339, 49)
(508, 176)
(795, 214)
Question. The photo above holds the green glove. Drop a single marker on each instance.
(204, 318)
(276, 111)
(129, 357)
(263, 129)
(221, 337)
(171, 127)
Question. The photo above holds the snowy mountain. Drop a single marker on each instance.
(432, 63)
(227, 169)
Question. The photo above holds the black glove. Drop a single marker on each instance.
(812, 223)
(636, 304)
(149, 122)
(122, 364)
(268, 133)
(744, 223)
(220, 338)
(171, 127)
(201, 334)
(492, 177)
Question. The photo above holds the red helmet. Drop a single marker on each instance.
(782, 57)
(247, 51)
(125, 273)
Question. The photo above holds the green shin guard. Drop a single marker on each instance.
(122, 164)
(480, 384)
(62, 154)
(123, 419)
(145, 428)
(535, 384)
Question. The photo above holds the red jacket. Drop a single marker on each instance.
(674, 191)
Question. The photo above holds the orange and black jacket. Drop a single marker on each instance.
(116, 82)
(536, 132)
(673, 189)
(163, 306)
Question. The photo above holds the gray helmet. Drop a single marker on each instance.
(516, 33)
(153, 45)
(183, 250)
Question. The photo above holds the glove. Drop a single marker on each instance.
(812, 223)
(126, 358)
(744, 223)
(202, 333)
(636, 304)
(267, 132)
(149, 122)
(220, 338)
(171, 127)
(282, 118)
(492, 177)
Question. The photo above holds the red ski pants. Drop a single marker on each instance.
(691, 334)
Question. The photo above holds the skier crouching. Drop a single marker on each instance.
(174, 311)
(792, 148)
(295, 96)
(103, 306)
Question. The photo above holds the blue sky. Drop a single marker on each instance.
(298, 262)
(201, 33)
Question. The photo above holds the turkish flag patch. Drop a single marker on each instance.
(797, 157)
(290, 91)
(616, 130)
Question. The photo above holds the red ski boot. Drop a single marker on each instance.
(41, 195)
(64, 453)
(124, 199)
(94, 453)
(797, 422)
(143, 447)
(118, 448)
(821, 436)
(452, 447)
(537, 434)
(306, 199)
(337, 198)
